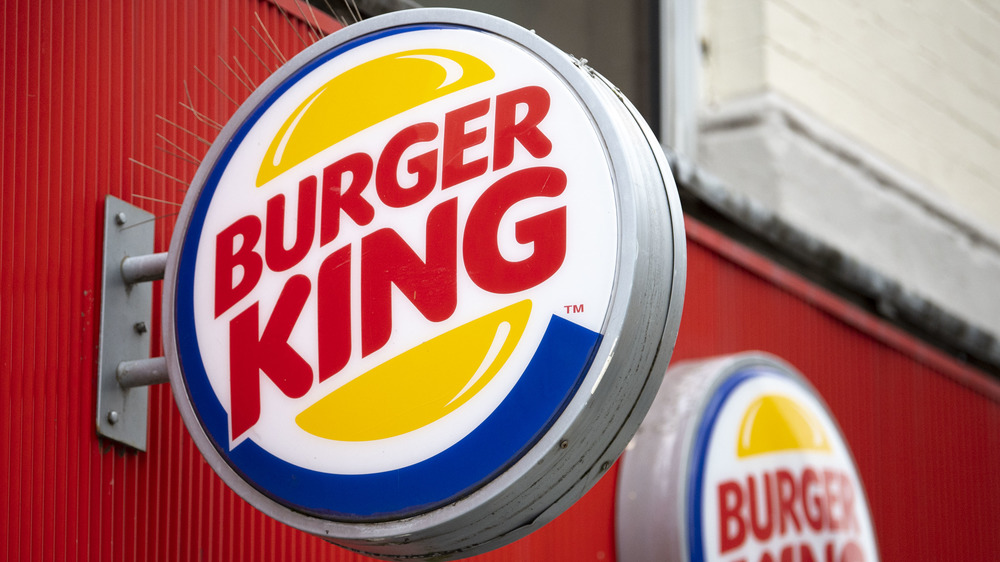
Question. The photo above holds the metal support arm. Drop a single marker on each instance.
(142, 372)
(141, 269)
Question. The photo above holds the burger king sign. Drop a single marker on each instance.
(740, 461)
(424, 286)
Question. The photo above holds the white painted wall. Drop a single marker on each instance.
(916, 81)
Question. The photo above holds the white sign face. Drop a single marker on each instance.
(404, 270)
(773, 480)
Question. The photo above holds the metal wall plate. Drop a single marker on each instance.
(126, 312)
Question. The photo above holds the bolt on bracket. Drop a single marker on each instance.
(123, 370)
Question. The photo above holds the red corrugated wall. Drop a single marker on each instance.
(87, 86)
(924, 429)
(83, 84)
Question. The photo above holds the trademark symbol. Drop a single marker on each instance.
(573, 308)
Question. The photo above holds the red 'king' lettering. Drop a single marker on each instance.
(250, 354)
(485, 264)
(431, 286)
(808, 552)
(333, 288)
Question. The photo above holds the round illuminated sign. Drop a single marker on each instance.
(740, 459)
(424, 286)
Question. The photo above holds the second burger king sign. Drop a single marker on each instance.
(424, 286)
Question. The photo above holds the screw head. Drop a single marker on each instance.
(112, 417)
(140, 327)
(120, 218)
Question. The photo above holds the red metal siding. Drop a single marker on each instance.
(83, 84)
(924, 429)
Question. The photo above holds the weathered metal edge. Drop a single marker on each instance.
(710, 200)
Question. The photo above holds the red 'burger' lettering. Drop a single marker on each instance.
(773, 504)
(761, 526)
(228, 258)
(424, 166)
(732, 528)
(337, 198)
(279, 258)
(344, 183)
(456, 139)
(525, 131)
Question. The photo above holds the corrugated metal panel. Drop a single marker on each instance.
(925, 429)
(83, 84)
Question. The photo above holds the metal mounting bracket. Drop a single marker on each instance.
(123, 370)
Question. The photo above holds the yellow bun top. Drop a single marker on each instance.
(365, 95)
